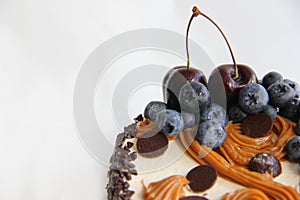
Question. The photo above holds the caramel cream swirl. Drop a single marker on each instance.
(170, 188)
(230, 163)
(246, 194)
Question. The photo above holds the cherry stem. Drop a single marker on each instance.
(196, 10)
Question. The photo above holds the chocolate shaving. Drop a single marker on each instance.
(121, 167)
(130, 131)
(133, 156)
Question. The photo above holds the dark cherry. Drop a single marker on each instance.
(178, 76)
(224, 86)
(226, 80)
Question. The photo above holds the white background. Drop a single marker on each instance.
(43, 45)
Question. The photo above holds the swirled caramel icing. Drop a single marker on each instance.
(236, 152)
(246, 194)
(170, 188)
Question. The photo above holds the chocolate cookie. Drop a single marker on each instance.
(152, 146)
(201, 178)
(257, 125)
(265, 163)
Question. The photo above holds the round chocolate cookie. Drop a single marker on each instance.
(201, 178)
(193, 198)
(257, 125)
(265, 163)
(152, 146)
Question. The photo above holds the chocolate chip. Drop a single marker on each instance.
(129, 144)
(120, 139)
(121, 168)
(153, 146)
(126, 185)
(139, 118)
(133, 172)
(133, 156)
(130, 131)
(257, 125)
(265, 163)
(193, 198)
(201, 178)
(127, 176)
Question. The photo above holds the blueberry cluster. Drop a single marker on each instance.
(272, 95)
(284, 94)
(196, 110)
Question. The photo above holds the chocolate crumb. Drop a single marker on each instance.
(133, 156)
(130, 131)
(139, 118)
(129, 144)
(121, 169)
(120, 139)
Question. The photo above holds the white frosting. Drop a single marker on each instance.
(182, 163)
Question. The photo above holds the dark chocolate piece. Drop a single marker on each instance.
(193, 198)
(152, 146)
(201, 178)
(257, 125)
(265, 163)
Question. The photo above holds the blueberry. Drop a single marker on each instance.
(189, 119)
(295, 87)
(270, 78)
(271, 111)
(194, 96)
(280, 93)
(211, 134)
(170, 122)
(289, 111)
(236, 114)
(253, 98)
(214, 112)
(153, 108)
(293, 149)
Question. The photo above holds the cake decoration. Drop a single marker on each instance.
(257, 125)
(168, 188)
(121, 167)
(201, 178)
(152, 146)
(265, 163)
(241, 134)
